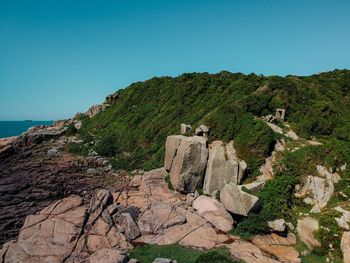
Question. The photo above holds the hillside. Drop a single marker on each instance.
(134, 128)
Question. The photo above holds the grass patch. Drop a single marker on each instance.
(147, 253)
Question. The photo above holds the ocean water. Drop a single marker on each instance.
(13, 128)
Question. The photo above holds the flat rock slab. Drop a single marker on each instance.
(213, 211)
(237, 201)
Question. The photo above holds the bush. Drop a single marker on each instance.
(214, 256)
(329, 233)
(107, 146)
(71, 130)
(77, 148)
(276, 201)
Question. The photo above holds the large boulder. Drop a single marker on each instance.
(306, 228)
(171, 145)
(185, 128)
(188, 166)
(223, 167)
(214, 212)
(237, 201)
(202, 130)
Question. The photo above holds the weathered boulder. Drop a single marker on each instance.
(189, 164)
(130, 229)
(223, 167)
(171, 145)
(278, 225)
(214, 212)
(160, 216)
(185, 128)
(318, 190)
(345, 246)
(237, 201)
(306, 228)
(280, 247)
(202, 130)
(53, 153)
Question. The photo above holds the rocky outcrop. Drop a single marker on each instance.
(318, 190)
(189, 163)
(223, 167)
(266, 169)
(237, 201)
(279, 247)
(30, 180)
(247, 252)
(214, 212)
(38, 134)
(67, 231)
(95, 109)
(345, 246)
(306, 228)
(278, 225)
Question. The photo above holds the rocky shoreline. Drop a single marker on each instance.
(31, 178)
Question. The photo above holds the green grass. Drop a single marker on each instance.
(147, 253)
(313, 259)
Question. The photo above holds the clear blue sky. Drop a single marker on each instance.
(58, 57)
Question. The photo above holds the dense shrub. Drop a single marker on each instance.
(276, 200)
(329, 234)
(107, 145)
(71, 130)
(77, 148)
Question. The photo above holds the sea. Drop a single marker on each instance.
(13, 128)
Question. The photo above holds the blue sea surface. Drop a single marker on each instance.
(13, 128)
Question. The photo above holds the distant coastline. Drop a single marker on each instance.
(14, 128)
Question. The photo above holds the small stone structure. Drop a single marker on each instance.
(280, 114)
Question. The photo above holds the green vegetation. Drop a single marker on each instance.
(134, 128)
(329, 233)
(71, 130)
(77, 148)
(214, 256)
(167, 180)
(276, 200)
(147, 253)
